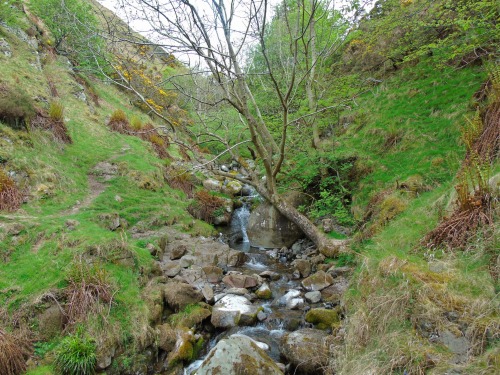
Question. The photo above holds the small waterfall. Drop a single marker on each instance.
(239, 222)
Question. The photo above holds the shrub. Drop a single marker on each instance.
(206, 206)
(118, 122)
(181, 180)
(52, 122)
(89, 288)
(11, 197)
(16, 107)
(76, 355)
(56, 111)
(14, 351)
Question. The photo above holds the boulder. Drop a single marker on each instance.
(232, 310)
(240, 281)
(323, 318)
(238, 355)
(334, 292)
(303, 266)
(213, 274)
(292, 293)
(179, 295)
(212, 185)
(313, 297)
(307, 350)
(318, 281)
(233, 187)
(187, 261)
(50, 322)
(171, 269)
(178, 252)
(269, 229)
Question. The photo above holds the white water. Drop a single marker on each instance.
(239, 222)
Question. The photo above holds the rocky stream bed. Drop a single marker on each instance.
(252, 310)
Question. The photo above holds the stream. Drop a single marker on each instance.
(278, 319)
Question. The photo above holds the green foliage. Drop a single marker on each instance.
(10, 12)
(401, 31)
(73, 26)
(347, 259)
(44, 347)
(76, 355)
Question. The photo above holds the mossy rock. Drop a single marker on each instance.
(323, 318)
(191, 316)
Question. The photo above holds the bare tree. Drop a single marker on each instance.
(218, 33)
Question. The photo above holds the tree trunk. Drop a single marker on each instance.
(327, 246)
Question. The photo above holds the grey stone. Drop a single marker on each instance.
(307, 350)
(318, 281)
(237, 355)
(313, 297)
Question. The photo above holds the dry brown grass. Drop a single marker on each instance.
(118, 122)
(206, 206)
(11, 197)
(89, 292)
(55, 125)
(181, 180)
(14, 351)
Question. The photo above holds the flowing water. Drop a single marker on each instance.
(279, 319)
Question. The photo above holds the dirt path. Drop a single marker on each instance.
(96, 188)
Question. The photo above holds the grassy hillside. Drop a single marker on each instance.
(83, 200)
(95, 211)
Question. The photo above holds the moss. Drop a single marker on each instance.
(323, 318)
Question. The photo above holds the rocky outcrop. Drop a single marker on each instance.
(268, 228)
(238, 355)
(179, 295)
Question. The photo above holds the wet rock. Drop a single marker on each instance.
(288, 296)
(179, 295)
(171, 269)
(213, 274)
(323, 318)
(307, 350)
(232, 310)
(303, 266)
(236, 258)
(313, 297)
(318, 281)
(270, 275)
(178, 252)
(240, 281)
(335, 292)
(264, 292)
(295, 303)
(261, 316)
(237, 355)
(247, 190)
(183, 349)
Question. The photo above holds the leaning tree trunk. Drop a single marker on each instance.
(327, 246)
